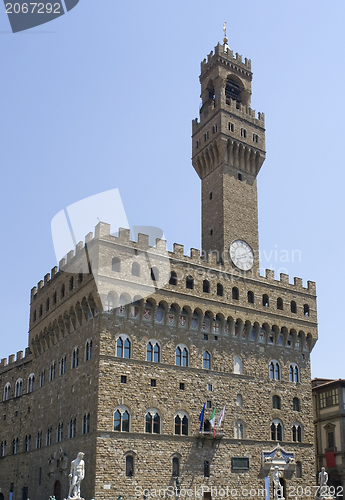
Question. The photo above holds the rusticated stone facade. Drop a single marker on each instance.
(133, 340)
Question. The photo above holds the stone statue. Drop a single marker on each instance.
(322, 480)
(277, 487)
(76, 476)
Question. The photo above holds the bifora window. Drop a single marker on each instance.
(181, 425)
(121, 420)
(152, 423)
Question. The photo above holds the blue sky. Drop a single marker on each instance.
(103, 98)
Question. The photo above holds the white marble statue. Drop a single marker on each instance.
(277, 487)
(76, 476)
(322, 480)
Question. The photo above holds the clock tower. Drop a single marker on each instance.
(228, 151)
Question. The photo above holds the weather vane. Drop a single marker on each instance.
(224, 29)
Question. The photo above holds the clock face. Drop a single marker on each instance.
(241, 255)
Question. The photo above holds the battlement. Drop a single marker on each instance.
(14, 360)
(196, 259)
(225, 52)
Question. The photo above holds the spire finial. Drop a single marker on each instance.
(225, 40)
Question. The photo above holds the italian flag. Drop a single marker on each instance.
(213, 421)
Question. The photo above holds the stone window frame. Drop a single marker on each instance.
(276, 422)
(3, 448)
(276, 402)
(175, 464)
(31, 383)
(153, 412)
(294, 373)
(62, 364)
(181, 414)
(206, 360)
(18, 388)
(52, 371)
(88, 350)
(86, 423)
(122, 409)
(154, 343)
(42, 378)
(15, 446)
(39, 439)
(275, 363)
(75, 357)
(124, 337)
(7, 392)
(182, 348)
(297, 432)
(27, 443)
(72, 428)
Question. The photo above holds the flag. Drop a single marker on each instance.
(201, 417)
(213, 420)
(221, 417)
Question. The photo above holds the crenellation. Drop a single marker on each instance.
(11, 359)
(3, 362)
(46, 278)
(238, 58)
(54, 271)
(284, 279)
(143, 241)
(33, 293)
(161, 245)
(311, 287)
(124, 235)
(40, 285)
(178, 249)
(88, 237)
(298, 282)
(102, 229)
(79, 247)
(195, 254)
(62, 264)
(270, 274)
(19, 355)
(70, 256)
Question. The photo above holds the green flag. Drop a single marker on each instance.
(213, 418)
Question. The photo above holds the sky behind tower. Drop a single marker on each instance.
(103, 98)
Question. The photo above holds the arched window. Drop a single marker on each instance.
(72, 428)
(239, 430)
(299, 470)
(136, 269)
(3, 449)
(75, 358)
(88, 350)
(181, 424)
(123, 347)
(19, 388)
(42, 378)
(153, 351)
(86, 423)
(276, 402)
(175, 467)
(238, 367)
(220, 291)
(274, 370)
(121, 419)
(296, 404)
(250, 296)
(293, 373)
(15, 446)
(239, 399)
(39, 440)
(206, 361)
(173, 278)
(293, 306)
(31, 381)
(306, 310)
(116, 265)
(190, 282)
(7, 390)
(265, 301)
(154, 274)
(181, 356)
(59, 433)
(280, 303)
(206, 286)
(276, 430)
(62, 365)
(71, 283)
(297, 432)
(206, 468)
(49, 436)
(234, 293)
(129, 466)
(152, 422)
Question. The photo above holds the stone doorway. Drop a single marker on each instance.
(57, 490)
